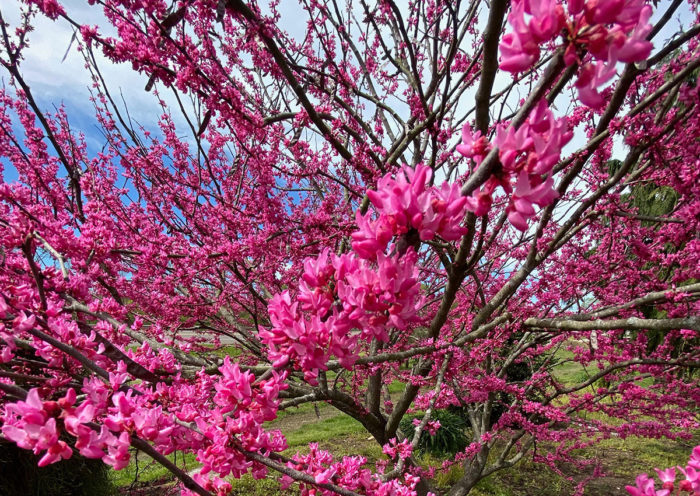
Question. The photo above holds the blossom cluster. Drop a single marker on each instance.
(338, 295)
(342, 299)
(347, 473)
(243, 405)
(406, 203)
(645, 486)
(611, 31)
(431, 426)
(107, 419)
(527, 154)
(35, 424)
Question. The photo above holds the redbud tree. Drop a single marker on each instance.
(343, 196)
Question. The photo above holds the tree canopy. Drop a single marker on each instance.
(335, 197)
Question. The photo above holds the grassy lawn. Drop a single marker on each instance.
(143, 471)
(621, 460)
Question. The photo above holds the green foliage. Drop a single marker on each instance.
(653, 200)
(77, 476)
(648, 199)
(451, 437)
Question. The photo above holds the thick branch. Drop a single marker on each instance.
(632, 323)
(490, 63)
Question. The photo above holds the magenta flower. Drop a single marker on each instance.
(405, 202)
(610, 30)
(636, 47)
(692, 479)
(31, 425)
(591, 77)
(118, 452)
(519, 49)
(23, 322)
(474, 145)
(645, 487)
(694, 461)
(547, 19)
(526, 154)
(668, 477)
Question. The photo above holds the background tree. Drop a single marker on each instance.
(314, 215)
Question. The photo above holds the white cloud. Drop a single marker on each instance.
(56, 80)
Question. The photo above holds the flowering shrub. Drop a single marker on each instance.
(312, 229)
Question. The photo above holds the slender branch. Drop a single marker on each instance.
(186, 480)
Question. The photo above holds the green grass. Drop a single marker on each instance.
(270, 486)
(396, 387)
(622, 459)
(341, 435)
(142, 470)
(324, 430)
(296, 410)
(231, 350)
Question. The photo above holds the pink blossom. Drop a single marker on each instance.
(525, 195)
(395, 449)
(372, 237)
(547, 20)
(519, 49)
(668, 477)
(636, 47)
(645, 487)
(526, 154)
(694, 461)
(118, 452)
(692, 479)
(404, 203)
(92, 444)
(47, 439)
(4, 308)
(234, 389)
(31, 425)
(611, 30)
(23, 322)
(474, 145)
